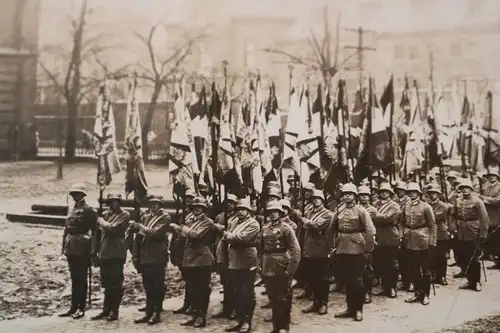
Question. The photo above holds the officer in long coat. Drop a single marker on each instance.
(242, 255)
(317, 246)
(491, 199)
(303, 205)
(225, 221)
(198, 260)
(355, 241)
(281, 256)
(439, 257)
(419, 232)
(402, 199)
(386, 221)
(472, 220)
(177, 246)
(110, 253)
(78, 232)
(150, 256)
(364, 194)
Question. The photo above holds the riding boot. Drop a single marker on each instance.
(106, 306)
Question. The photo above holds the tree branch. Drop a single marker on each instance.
(293, 58)
(149, 43)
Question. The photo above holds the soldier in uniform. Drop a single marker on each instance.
(355, 239)
(281, 256)
(177, 249)
(242, 255)
(419, 240)
(402, 199)
(288, 214)
(150, 256)
(472, 220)
(317, 246)
(386, 221)
(452, 181)
(221, 256)
(198, 260)
(491, 199)
(78, 232)
(439, 257)
(369, 274)
(110, 253)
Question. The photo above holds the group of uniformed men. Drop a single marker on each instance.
(372, 234)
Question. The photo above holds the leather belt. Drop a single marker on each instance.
(476, 220)
(416, 227)
(271, 251)
(351, 231)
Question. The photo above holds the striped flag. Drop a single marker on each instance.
(135, 178)
(104, 139)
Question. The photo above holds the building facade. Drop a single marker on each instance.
(18, 47)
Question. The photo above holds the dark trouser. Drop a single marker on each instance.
(300, 274)
(111, 271)
(493, 244)
(153, 280)
(225, 280)
(198, 284)
(419, 269)
(280, 293)
(318, 279)
(368, 275)
(243, 281)
(353, 267)
(404, 266)
(471, 254)
(187, 291)
(386, 258)
(78, 270)
(439, 261)
(456, 246)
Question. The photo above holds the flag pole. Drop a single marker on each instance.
(392, 176)
(369, 133)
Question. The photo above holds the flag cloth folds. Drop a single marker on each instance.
(135, 180)
(104, 139)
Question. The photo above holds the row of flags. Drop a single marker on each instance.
(240, 147)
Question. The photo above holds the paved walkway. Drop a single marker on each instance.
(450, 307)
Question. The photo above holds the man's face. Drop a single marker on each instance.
(308, 194)
(198, 210)
(230, 205)
(241, 213)
(154, 206)
(274, 215)
(364, 198)
(349, 197)
(189, 200)
(384, 195)
(114, 205)
(400, 193)
(466, 190)
(433, 195)
(77, 196)
(413, 195)
(317, 202)
(492, 178)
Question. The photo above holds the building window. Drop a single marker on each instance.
(399, 52)
(413, 52)
(456, 50)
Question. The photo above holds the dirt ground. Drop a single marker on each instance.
(34, 281)
(32, 270)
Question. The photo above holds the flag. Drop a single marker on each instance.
(375, 143)
(273, 127)
(135, 178)
(198, 110)
(492, 128)
(104, 139)
(357, 119)
(183, 163)
(414, 135)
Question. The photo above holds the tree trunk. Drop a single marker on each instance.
(70, 147)
(146, 127)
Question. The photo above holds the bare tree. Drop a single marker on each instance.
(160, 70)
(320, 55)
(69, 80)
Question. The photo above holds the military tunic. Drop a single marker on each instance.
(242, 256)
(281, 256)
(111, 250)
(472, 221)
(386, 221)
(76, 246)
(355, 236)
(491, 199)
(439, 259)
(419, 234)
(198, 261)
(150, 256)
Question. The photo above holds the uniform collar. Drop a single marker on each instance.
(350, 205)
(415, 202)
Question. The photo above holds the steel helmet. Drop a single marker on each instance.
(385, 187)
(413, 187)
(349, 188)
(364, 190)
